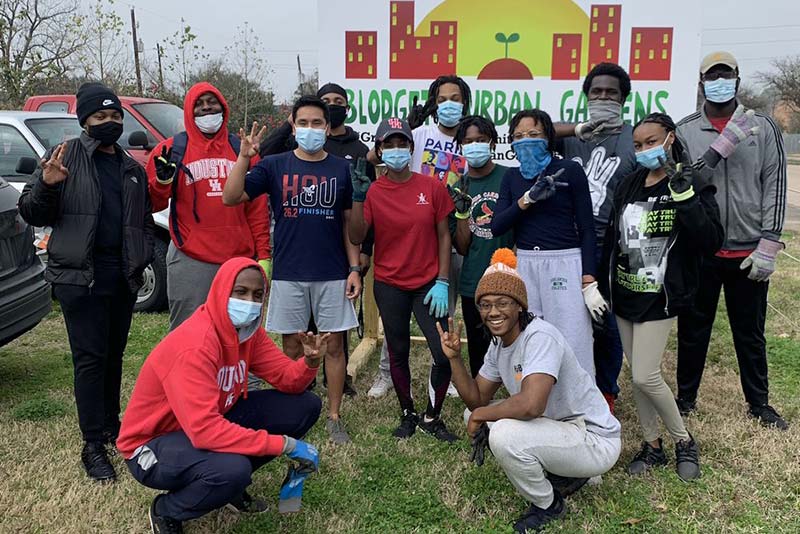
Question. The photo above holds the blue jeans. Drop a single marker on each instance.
(607, 349)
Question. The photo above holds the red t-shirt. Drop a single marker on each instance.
(719, 124)
(404, 217)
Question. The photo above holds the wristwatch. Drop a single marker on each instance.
(355, 269)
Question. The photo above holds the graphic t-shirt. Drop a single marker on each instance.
(541, 349)
(638, 280)
(404, 217)
(606, 160)
(308, 199)
(484, 192)
(435, 154)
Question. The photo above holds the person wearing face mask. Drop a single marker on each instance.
(664, 223)
(317, 272)
(751, 193)
(192, 429)
(187, 172)
(546, 202)
(94, 196)
(475, 198)
(408, 212)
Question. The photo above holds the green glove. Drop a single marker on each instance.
(266, 264)
(361, 182)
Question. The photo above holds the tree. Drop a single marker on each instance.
(754, 98)
(184, 56)
(245, 59)
(784, 79)
(37, 39)
(105, 56)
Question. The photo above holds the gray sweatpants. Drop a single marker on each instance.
(526, 449)
(553, 279)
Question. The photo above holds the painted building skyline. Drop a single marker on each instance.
(361, 49)
(566, 56)
(651, 54)
(604, 33)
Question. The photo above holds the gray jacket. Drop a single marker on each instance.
(751, 184)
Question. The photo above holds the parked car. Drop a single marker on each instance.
(24, 293)
(24, 138)
(158, 119)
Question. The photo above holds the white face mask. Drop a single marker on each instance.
(209, 124)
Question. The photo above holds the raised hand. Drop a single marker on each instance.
(360, 180)
(681, 177)
(250, 143)
(545, 187)
(459, 192)
(587, 130)
(53, 170)
(450, 340)
(165, 169)
(419, 114)
(741, 126)
(314, 347)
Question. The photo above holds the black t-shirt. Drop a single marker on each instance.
(108, 236)
(638, 278)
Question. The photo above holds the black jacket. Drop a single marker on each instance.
(72, 209)
(696, 235)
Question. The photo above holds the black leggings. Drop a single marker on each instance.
(477, 339)
(395, 306)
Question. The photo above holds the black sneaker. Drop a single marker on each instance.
(95, 460)
(768, 417)
(686, 407)
(349, 390)
(408, 425)
(565, 486)
(535, 518)
(160, 524)
(247, 504)
(687, 459)
(437, 429)
(648, 457)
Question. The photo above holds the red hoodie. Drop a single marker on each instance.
(218, 232)
(198, 372)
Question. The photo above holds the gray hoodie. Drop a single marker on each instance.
(751, 184)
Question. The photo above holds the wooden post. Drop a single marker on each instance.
(364, 350)
(136, 54)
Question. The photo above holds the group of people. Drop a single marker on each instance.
(618, 231)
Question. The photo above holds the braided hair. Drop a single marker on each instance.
(666, 122)
(466, 92)
(484, 126)
(542, 119)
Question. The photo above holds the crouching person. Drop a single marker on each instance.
(555, 430)
(191, 428)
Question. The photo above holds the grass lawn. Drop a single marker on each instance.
(377, 484)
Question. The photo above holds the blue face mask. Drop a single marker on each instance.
(532, 155)
(650, 158)
(311, 140)
(396, 159)
(720, 91)
(243, 312)
(449, 113)
(477, 154)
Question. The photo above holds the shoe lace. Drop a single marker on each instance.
(687, 453)
(647, 454)
(770, 412)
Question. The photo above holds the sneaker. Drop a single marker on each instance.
(535, 518)
(610, 399)
(380, 387)
(686, 407)
(247, 504)
(768, 417)
(647, 458)
(452, 391)
(160, 524)
(408, 425)
(565, 486)
(95, 460)
(336, 431)
(349, 390)
(687, 459)
(437, 429)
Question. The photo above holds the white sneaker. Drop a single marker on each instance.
(452, 391)
(595, 481)
(380, 387)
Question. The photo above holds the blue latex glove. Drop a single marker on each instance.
(437, 297)
(305, 454)
(290, 497)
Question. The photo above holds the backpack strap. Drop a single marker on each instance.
(179, 142)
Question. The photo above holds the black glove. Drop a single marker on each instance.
(460, 195)
(681, 178)
(418, 114)
(165, 169)
(545, 187)
(480, 442)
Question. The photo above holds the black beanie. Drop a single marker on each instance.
(331, 88)
(93, 97)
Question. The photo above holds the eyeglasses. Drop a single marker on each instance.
(725, 75)
(501, 305)
(533, 134)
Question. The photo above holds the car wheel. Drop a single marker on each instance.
(152, 296)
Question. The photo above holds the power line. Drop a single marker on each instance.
(751, 28)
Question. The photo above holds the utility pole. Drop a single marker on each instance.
(136, 53)
(159, 50)
(246, 73)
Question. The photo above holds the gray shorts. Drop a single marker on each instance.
(291, 305)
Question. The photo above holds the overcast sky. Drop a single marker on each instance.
(755, 32)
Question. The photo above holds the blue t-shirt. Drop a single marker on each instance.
(308, 199)
(563, 221)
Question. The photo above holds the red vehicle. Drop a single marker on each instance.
(156, 119)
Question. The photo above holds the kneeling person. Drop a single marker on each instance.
(187, 431)
(555, 424)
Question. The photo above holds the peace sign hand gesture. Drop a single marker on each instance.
(250, 144)
(53, 170)
(451, 340)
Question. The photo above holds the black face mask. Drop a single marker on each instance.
(338, 115)
(107, 133)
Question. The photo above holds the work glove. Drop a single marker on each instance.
(596, 304)
(762, 260)
(437, 298)
(459, 192)
(417, 115)
(480, 442)
(360, 180)
(544, 188)
(290, 497)
(741, 126)
(165, 169)
(585, 131)
(681, 178)
(266, 264)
